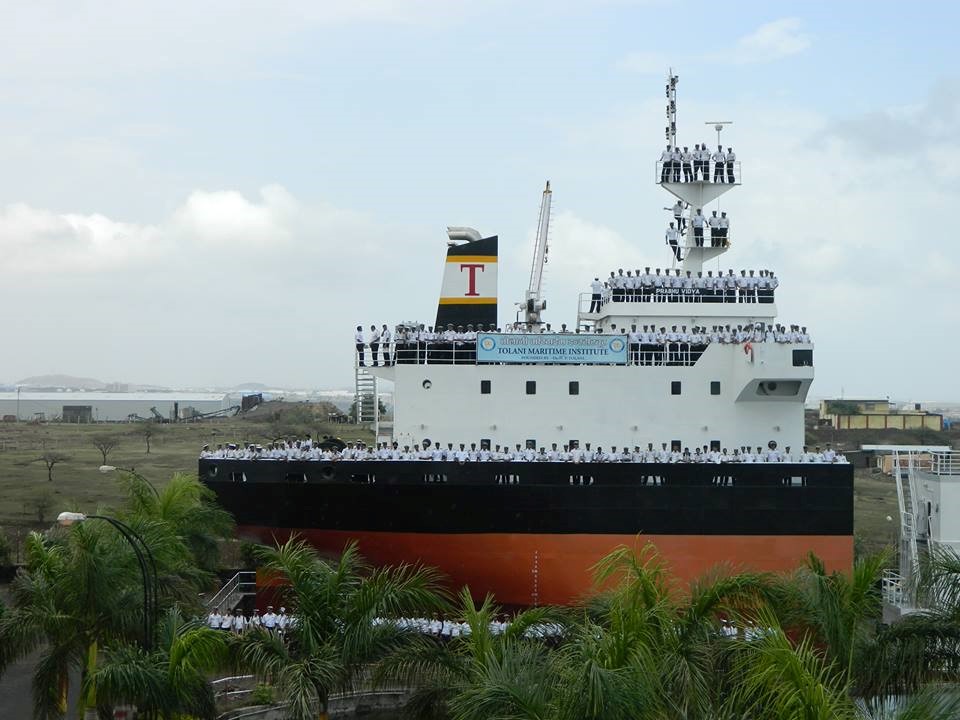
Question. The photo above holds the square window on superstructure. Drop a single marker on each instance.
(714, 387)
(484, 387)
(574, 388)
(675, 387)
(531, 387)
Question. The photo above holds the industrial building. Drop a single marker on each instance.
(87, 407)
(876, 415)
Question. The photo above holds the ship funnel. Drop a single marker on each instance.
(468, 295)
(463, 234)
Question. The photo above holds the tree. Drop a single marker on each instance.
(105, 444)
(335, 636)
(51, 458)
(81, 590)
(173, 680)
(184, 513)
(148, 430)
(479, 674)
(41, 503)
(78, 589)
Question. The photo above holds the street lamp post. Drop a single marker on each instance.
(148, 568)
(130, 471)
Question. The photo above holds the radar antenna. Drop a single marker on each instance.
(534, 302)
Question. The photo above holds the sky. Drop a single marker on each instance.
(211, 193)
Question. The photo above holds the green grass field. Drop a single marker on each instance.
(29, 501)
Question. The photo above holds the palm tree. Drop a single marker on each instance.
(335, 636)
(78, 590)
(478, 675)
(172, 680)
(187, 508)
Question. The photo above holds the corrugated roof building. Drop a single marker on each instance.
(82, 407)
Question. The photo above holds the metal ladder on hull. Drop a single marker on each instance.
(365, 396)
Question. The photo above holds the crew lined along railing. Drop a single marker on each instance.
(726, 173)
(670, 353)
(675, 294)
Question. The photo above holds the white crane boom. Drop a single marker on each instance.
(534, 302)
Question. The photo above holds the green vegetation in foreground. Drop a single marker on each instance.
(810, 645)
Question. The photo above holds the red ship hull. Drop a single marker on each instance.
(555, 569)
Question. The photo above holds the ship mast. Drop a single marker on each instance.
(697, 194)
(534, 303)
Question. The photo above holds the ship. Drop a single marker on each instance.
(530, 532)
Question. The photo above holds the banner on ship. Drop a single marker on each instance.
(572, 349)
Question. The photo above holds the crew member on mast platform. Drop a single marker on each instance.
(686, 156)
(719, 160)
(724, 229)
(678, 217)
(358, 339)
(714, 223)
(731, 156)
(385, 339)
(672, 238)
(697, 221)
(665, 165)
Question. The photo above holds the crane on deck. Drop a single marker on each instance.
(534, 303)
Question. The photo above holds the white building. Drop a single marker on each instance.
(84, 407)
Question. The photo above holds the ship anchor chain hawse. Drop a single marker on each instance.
(519, 500)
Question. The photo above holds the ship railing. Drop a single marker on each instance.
(941, 463)
(589, 306)
(428, 353)
(895, 589)
(241, 585)
(708, 173)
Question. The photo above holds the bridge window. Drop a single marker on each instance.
(803, 358)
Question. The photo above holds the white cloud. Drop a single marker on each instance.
(225, 217)
(771, 41)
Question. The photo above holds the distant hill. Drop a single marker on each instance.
(62, 381)
(250, 386)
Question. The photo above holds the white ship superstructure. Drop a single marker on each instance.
(729, 395)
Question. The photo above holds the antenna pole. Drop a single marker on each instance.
(671, 90)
